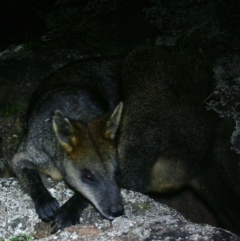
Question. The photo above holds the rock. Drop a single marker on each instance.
(144, 219)
(225, 98)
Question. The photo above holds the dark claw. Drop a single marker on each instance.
(55, 230)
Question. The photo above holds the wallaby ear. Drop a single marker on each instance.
(63, 130)
(114, 121)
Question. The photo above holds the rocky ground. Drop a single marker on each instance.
(144, 219)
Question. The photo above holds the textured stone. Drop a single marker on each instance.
(144, 219)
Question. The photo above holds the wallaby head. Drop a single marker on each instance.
(89, 162)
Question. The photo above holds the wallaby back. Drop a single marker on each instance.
(168, 140)
(164, 119)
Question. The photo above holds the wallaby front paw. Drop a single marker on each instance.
(65, 218)
(46, 208)
(69, 214)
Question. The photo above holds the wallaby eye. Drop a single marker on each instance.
(87, 176)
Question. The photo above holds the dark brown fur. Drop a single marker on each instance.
(169, 141)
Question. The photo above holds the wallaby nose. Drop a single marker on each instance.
(116, 211)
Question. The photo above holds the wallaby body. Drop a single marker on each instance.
(70, 135)
(168, 140)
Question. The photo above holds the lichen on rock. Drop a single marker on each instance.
(144, 219)
(225, 99)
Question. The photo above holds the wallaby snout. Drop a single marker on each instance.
(116, 211)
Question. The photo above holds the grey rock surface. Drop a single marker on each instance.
(144, 219)
(225, 99)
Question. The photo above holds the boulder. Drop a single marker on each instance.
(144, 219)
